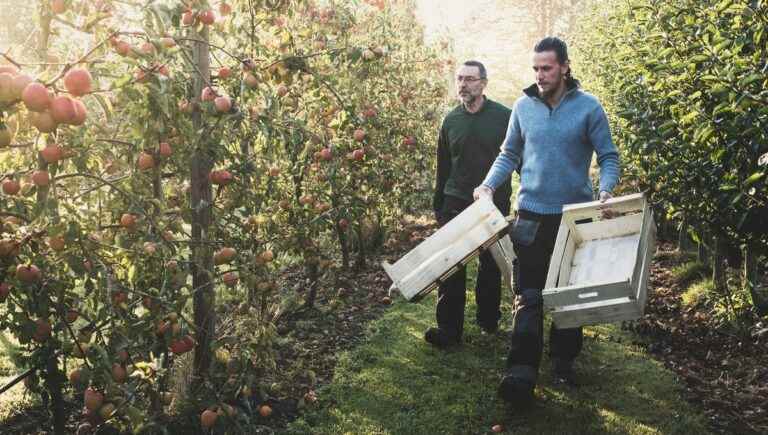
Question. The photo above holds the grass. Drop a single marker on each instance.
(688, 272)
(395, 383)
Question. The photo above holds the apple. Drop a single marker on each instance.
(93, 399)
(119, 374)
(41, 178)
(188, 18)
(146, 161)
(220, 177)
(123, 48)
(19, 83)
(207, 17)
(36, 97)
(224, 9)
(28, 273)
(359, 135)
(43, 121)
(251, 81)
(208, 418)
(63, 109)
(52, 153)
(368, 54)
(230, 279)
(58, 7)
(224, 73)
(81, 113)
(326, 154)
(274, 171)
(267, 256)
(75, 376)
(147, 48)
(281, 91)
(42, 330)
(223, 104)
(78, 81)
(11, 187)
(164, 149)
(343, 224)
(56, 243)
(208, 94)
(128, 221)
(224, 255)
(358, 154)
(168, 42)
(150, 248)
(265, 410)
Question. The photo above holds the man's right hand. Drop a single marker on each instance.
(482, 190)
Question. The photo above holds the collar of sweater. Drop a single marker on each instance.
(571, 84)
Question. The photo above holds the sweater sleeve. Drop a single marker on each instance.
(510, 156)
(607, 154)
(443, 169)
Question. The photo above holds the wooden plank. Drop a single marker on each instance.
(446, 259)
(557, 257)
(575, 295)
(593, 210)
(502, 261)
(595, 313)
(642, 289)
(604, 260)
(610, 228)
(567, 260)
(480, 211)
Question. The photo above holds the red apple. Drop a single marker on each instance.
(78, 81)
(36, 97)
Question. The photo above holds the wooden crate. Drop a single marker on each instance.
(599, 268)
(478, 227)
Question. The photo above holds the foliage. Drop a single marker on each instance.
(123, 260)
(686, 85)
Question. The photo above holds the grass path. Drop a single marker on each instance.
(395, 383)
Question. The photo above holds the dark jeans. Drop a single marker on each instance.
(452, 292)
(527, 338)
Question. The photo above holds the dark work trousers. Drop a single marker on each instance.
(451, 295)
(527, 338)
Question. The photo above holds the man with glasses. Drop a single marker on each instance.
(467, 146)
(554, 131)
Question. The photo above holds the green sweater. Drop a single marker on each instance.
(466, 148)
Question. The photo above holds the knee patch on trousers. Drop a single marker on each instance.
(530, 298)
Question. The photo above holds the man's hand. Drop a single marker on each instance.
(607, 213)
(482, 190)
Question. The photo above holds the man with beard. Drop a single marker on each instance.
(554, 130)
(467, 146)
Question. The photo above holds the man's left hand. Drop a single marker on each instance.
(604, 196)
(606, 213)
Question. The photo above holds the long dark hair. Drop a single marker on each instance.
(553, 43)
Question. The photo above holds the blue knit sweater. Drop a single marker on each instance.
(555, 148)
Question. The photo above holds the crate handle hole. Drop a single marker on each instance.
(588, 295)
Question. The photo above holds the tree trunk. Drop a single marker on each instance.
(53, 383)
(752, 280)
(201, 198)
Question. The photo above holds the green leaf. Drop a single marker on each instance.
(754, 178)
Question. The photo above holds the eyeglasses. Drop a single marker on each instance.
(468, 79)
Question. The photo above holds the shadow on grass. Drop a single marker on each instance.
(397, 384)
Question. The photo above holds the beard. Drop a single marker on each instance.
(468, 98)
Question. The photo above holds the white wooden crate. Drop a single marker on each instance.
(599, 268)
(440, 255)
